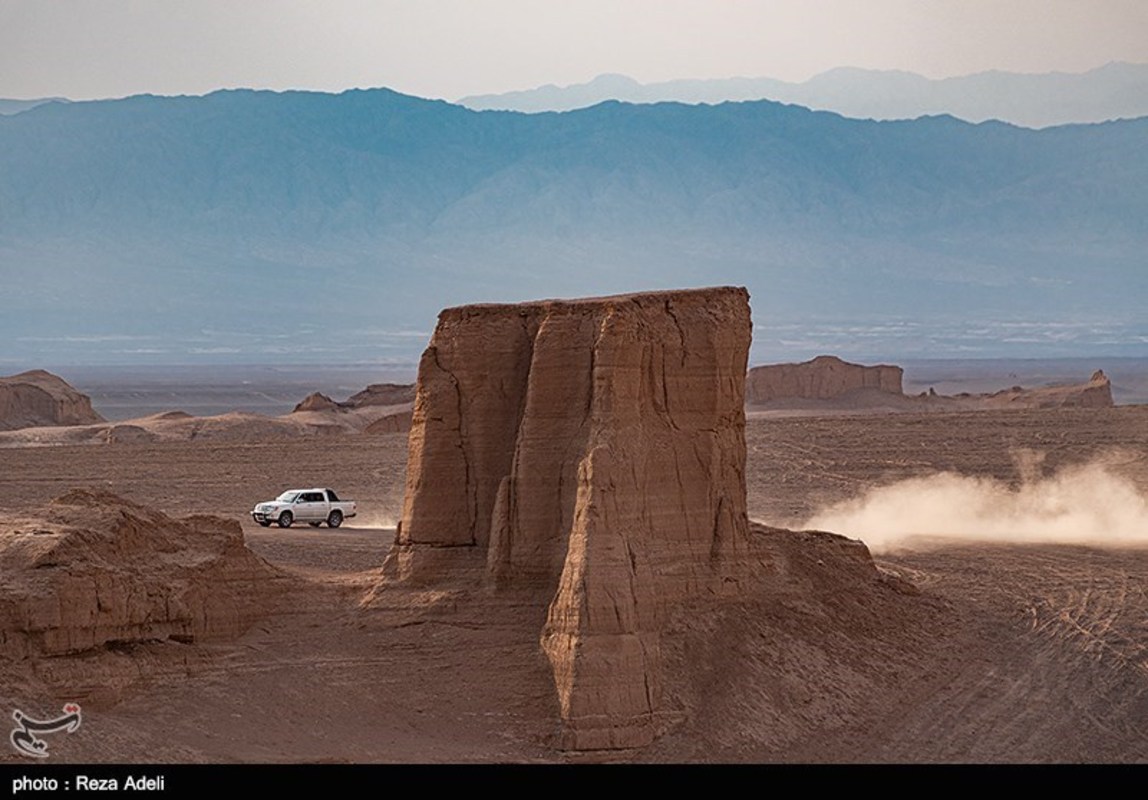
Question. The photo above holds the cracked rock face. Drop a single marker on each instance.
(36, 398)
(93, 570)
(595, 448)
(822, 378)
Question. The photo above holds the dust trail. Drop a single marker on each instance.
(376, 519)
(1086, 504)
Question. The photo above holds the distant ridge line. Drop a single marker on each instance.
(1117, 90)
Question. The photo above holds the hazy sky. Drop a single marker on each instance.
(450, 48)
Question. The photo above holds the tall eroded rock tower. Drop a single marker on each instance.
(594, 448)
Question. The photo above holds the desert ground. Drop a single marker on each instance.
(970, 650)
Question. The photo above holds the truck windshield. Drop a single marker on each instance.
(287, 497)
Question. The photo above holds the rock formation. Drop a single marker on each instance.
(382, 394)
(377, 394)
(1097, 393)
(595, 448)
(822, 378)
(95, 570)
(398, 422)
(829, 385)
(37, 398)
(316, 401)
(381, 407)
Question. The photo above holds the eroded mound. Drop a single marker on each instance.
(383, 394)
(316, 401)
(819, 642)
(398, 422)
(1097, 393)
(37, 398)
(93, 569)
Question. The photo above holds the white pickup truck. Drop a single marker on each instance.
(313, 506)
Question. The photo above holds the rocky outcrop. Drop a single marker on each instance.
(380, 408)
(94, 570)
(382, 394)
(377, 394)
(128, 434)
(828, 385)
(398, 422)
(823, 378)
(594, 448)
(1097, 393)
(316, 401)
(38, 398)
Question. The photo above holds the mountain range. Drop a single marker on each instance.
(300, 227)
(1114, 91)
(8, 107)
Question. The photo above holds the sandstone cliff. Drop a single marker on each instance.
(38, 398)
(822, 378)
(594, 448)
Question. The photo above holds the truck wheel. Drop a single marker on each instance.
(335, 519)
(285, 519)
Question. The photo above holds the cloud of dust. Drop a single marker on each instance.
(1085, 504)
(376, 519)
(383, 510)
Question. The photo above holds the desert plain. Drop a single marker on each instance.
(976, 648)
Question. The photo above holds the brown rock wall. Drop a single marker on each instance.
(595, 448)
(37, 398)
(94, 570)
(822, 378)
